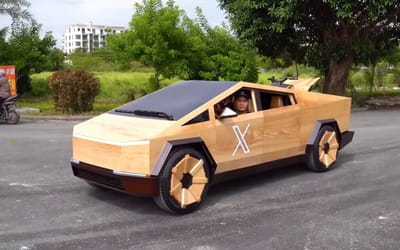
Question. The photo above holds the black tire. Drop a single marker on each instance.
(13, 117)
(323, 153)
(187, 172)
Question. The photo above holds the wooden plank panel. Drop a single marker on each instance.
(120, 129)
(133, 159)
(96, 153)
(281, 132)
(136, 159)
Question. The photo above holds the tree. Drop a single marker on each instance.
(155, 38)
(331, 35)
(27, 51)
(56, 59)
(163, 37)
(220, 56)
(16, 9)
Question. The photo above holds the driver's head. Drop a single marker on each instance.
(241, 102)
(2, 73)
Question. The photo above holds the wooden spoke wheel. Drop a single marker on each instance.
(324, 150)
(184, 181)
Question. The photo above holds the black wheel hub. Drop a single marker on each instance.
(326, 148)
(187, 180)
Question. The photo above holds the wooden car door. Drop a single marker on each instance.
(239, 141)
(281, 138)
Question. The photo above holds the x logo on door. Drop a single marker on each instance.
(241, 140)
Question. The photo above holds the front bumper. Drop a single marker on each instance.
(123, 182)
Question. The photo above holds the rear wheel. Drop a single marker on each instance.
(184, 181)
(324, 151)
(12, 117)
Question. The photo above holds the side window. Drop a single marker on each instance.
(274, 100)
(200, 118)
(240, 102)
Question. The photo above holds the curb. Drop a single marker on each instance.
(55, 117)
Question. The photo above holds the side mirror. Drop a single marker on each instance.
(227, 113)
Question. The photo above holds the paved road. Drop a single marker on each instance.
(355, 206)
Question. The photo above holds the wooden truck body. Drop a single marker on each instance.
(173, 143)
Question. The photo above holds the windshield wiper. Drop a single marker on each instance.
(147, 113)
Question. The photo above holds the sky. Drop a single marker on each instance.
(56, 15)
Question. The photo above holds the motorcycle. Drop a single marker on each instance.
(8, 111)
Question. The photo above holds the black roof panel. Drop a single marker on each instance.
(177, 99)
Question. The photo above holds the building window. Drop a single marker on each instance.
(77, 36)
(77, 43)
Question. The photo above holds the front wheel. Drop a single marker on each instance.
(184, 181)
(323, 153)
(13, 117)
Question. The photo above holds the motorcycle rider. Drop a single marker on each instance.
(5, 90)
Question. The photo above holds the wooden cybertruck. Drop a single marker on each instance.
(174, 143)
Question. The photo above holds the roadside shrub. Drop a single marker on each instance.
(73, 90)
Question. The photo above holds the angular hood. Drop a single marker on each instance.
(120, 130)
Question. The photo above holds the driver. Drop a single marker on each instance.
(241, 102)
(5, 91)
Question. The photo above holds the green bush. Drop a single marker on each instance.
(40, 87)
(74, 90)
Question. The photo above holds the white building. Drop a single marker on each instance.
(87, 37)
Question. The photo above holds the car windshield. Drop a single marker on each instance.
(175, 101)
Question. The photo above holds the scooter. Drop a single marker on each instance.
(8, 111)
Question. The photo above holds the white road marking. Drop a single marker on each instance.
(20, 184)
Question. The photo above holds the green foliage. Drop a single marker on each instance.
(164, 38)
(329, 34)
(73, 90)
(126, 86)
(97, 60)
(27, 51)
(225, 58)
(56, 60)
(40, 87)
(156, 39)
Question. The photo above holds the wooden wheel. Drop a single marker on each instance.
(324, 151)
(184, 181)
(328, 148)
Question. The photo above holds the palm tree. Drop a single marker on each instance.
(16, 9)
